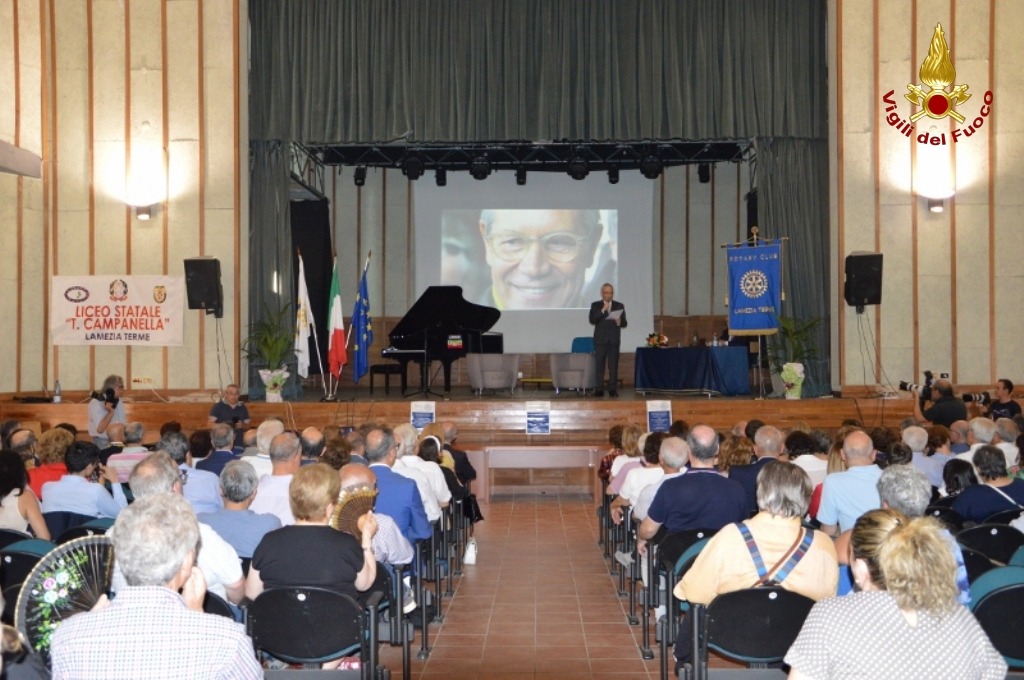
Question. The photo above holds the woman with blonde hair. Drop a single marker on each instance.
(905, 622)
(310, 553)
(734, 451)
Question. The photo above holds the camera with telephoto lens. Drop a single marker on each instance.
(924, 391)
(981, 398)
(107, 397)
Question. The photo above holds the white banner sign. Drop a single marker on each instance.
(117, 310)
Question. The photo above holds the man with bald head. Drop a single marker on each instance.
(945, 409)
(769, 444)
(115, 443)
(272, 493)
(958, 437)
(23, 442)
(312, 443)
(700, 499)
(845, 496)
(389, 546)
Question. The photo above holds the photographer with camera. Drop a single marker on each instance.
(1002, 404)
(945, 409)
(105, 408)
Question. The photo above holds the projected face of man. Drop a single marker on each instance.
(538, 258)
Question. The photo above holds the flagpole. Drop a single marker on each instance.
(366, 265)
(319, 359)
(333, 384)
(316, 342)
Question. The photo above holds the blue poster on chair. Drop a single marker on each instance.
(755, 285)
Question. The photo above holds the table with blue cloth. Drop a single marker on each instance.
(721, 370)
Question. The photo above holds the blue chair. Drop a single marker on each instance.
(18, 559)
(583, 345)
(677, 553)
(997, 598)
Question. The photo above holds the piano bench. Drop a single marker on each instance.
(388, 370)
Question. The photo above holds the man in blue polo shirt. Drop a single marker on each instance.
(700, 499)
(845, 496)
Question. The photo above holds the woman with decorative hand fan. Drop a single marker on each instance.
(310, 553)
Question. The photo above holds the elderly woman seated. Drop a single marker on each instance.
(905, 622)
(727, 563)
(311, 553)
(997, 490)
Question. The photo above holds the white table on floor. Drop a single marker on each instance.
(533, 458)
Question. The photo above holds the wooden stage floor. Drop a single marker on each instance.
(491, 419)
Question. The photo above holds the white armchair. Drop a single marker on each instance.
(493, 372)
(572, 372)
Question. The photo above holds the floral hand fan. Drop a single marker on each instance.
(70, 579)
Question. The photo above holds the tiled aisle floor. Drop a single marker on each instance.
(539, 603)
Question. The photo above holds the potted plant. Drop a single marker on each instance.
(268, 347)
(791, 348)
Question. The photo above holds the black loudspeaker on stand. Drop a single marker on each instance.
(202, 284)
(863, 280)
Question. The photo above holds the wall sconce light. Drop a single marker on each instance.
(936, 205)
(143, 212)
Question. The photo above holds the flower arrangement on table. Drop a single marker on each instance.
(657, 340)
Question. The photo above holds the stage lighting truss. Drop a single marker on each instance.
(577, 158)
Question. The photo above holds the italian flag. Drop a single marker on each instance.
(337, 354)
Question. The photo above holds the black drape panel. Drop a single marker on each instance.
(792, 180)
(465, 70)
(311, 236)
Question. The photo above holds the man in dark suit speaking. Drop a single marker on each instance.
(609, 318)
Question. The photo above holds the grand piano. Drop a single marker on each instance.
(442, 326)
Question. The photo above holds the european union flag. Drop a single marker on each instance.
(362, 329)
(755, 285)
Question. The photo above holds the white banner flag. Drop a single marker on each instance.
(303, 320)
(117, 310)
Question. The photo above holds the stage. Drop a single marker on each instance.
(489, 420)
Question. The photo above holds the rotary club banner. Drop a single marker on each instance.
(755, 284)
(117, 310)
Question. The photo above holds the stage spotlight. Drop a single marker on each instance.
(441, 177)
(703, 173)
(578, 167)
(360, 177)
(480, 167)
(521, 176)
(412, 167)
(650, 166)
(935, 205)
(613, 176)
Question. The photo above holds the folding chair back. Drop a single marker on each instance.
(995, 541)
(997, 598)
(306, 625)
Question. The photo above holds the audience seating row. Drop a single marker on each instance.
(290, 624)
